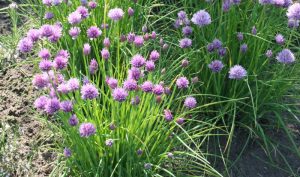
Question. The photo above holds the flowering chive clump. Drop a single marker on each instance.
(105, 62)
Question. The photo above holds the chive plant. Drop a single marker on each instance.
(118, 110)
(128, 101)
(243, 52)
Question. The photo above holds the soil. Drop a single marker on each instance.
(24, 138)
(255, 162)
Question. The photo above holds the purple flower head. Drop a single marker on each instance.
(210, 47)
(87, 129)
(60, 62)
(93, 67)
(130, 11)
(279, 39)
(63, 53)
(130, 84)
(57, 33)
(130, 37)
(25, 45)
(83, 2)
(217, 43)
(168, 115)
(52, 106)
(120, 94)
(48, 15)
(106, 42)
(138, 61)
(167, 90)
(104, 26)
(93, 32)
(74, 32)
(40, 102)
(74, 18)
(135, 101)
(146, 36)
(116, 14)
(73, 121)
(264, 2)
(185, 43)
(63, 88)
(147, 166)
(285, 56)
(123, 38)
(293, 23)
(73, 84)
(46, 30)
(40, 81)
(109, 142)
(237, 72)
(111, 82)
(92, 4)
(190, 102)
(181, 15)
(147, 86)
(236, 2)
(112, 126)
(222, 52)
(44, 54)
(105, 54)
(138, 41)
(85, 80)
(216, 66)
(144, 29)
(154, 55)
(269, 53)
(67, 152)
(56, 2)
(244, 48)
(139, 152)
(158, 89)
(153, 35)
(83, 11)
(134, 73)
(226, 5)
(240, 36)
(45, 65)
(293, 11)
(150, 66)
(182, 82)
(180, 121)
(187, 30)
(89, 91)
(66, 106)
(47, 2)
(201, 18)
(86, 49)
(254, 30)
(34, 34)
(184, 63)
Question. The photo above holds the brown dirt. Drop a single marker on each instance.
(25, 139)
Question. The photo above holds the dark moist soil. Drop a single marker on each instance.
(24, 139)
(255, 162)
